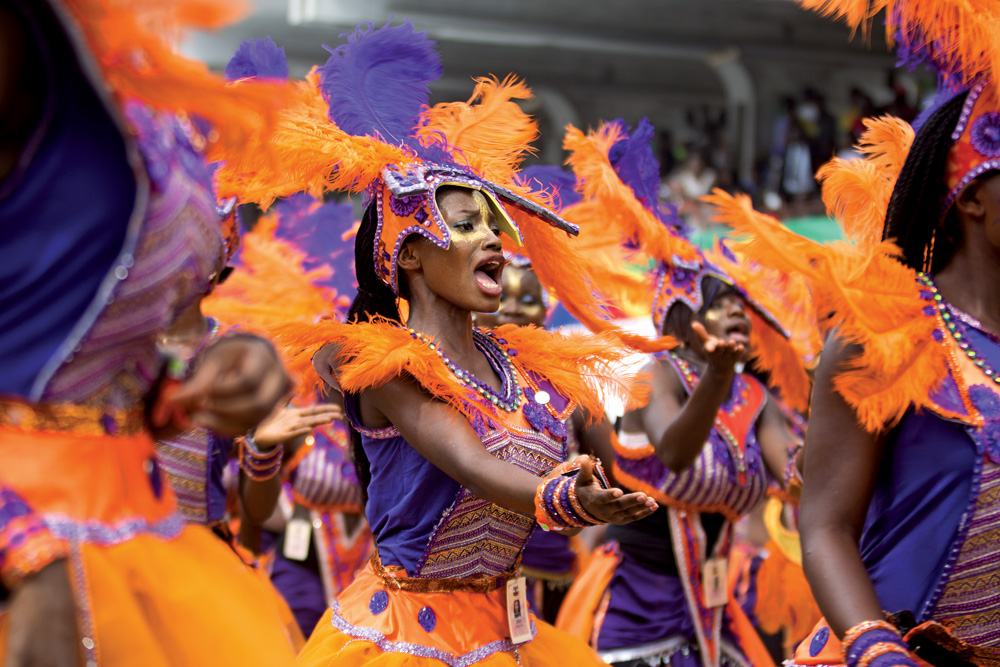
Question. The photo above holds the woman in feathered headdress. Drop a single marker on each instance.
(460, 434)
(706, 446)
(899, 511)
(110, 231)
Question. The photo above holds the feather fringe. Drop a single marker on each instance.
(129, 41)
(869, 297)
(271, 288)
(309, 153)
(374, 353)
(490, 130)
(857, 192)
(957, 37)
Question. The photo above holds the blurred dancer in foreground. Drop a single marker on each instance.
(110, 230)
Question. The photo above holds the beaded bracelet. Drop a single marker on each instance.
(887, 655)
(860, 641)
(260, 466)
(558, 508)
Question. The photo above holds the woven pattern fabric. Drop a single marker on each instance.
(478, 538)
(178, 247)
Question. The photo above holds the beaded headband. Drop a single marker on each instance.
(681, 281)
(977, 141)
(406, 204)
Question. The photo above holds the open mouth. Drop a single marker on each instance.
(488, 274)
(739, 333)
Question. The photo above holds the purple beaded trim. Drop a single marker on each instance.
(979, 170)
(973, 174)
(375, 637)
(963, 528)
(93, 532)
(970, 102)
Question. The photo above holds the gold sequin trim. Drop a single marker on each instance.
(83, 420)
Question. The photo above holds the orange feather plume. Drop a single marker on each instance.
(871, 299)
(960, 35)
(857, 192)
(309, 153)
(129, 41)
(492, 131)
(271, 288)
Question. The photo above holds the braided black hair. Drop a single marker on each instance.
(915, 206)
(374, 299)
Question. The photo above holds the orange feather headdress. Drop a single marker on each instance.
(361, 123)
(622, 219)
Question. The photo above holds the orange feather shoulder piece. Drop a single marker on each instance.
(869, 297)
(371, 354)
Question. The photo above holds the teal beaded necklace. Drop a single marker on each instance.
(955, 331)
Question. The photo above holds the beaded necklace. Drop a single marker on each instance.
(951, 317)
(509, 396)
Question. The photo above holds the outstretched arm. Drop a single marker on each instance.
(676, 427)
(442, 436)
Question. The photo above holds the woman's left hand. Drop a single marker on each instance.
(238, 383)
(610, 505)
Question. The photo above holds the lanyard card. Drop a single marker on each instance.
(714, 581)
(297, 535)
(517, 610)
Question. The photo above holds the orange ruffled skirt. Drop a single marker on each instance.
(149, 590)
(375, 623)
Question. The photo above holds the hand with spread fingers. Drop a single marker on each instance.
(609, 505)
(292, 422)
(721, 354)
(237, 384)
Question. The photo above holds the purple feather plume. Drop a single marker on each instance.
(260, 58)
(317, 229)
(633, 160)
(376, 83)
(552, 179)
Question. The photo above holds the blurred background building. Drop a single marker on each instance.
(749, 95)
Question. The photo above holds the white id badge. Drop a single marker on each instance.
(297, 535)
(517, 610)
(714, 581)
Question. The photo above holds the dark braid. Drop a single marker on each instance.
(374, 298)
(915, 207)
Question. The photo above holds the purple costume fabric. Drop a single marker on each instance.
(406, 497)
(917, 506)
(63, 217)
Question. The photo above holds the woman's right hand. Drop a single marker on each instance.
(609, 505)
(722, 355)
(293, 422)
(41, 621)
